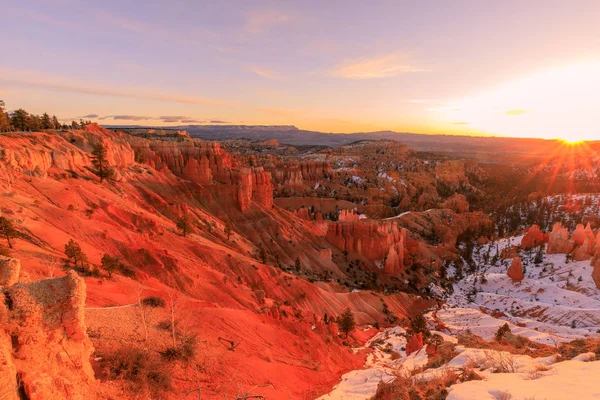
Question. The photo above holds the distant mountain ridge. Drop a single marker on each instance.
(478, 147)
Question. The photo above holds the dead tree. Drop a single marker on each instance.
(229, 344)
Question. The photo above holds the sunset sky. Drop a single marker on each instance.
(515, 67)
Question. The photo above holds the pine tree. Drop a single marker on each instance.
(20, 120)
(46, 122)
(55, 123)
(262, 254)
(346, 322)
(110, 264)
(7, 230)
(502, 331)
(99, 161)
(184, 225)
(297, 264)
(76, 256)
(4, 119)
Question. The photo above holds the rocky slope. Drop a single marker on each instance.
(229, 290)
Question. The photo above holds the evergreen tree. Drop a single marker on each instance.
(20, 120)
(503, 330)
(55, 123)
(35, 123)
(99, 161)
(184, 225)
(346, 322)
(46, 122)
(7, 230)
(297, 264)
(74, 125)
(262, 254)
(110, 264)
(75, 256)
(4, 119)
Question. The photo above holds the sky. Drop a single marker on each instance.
(528, 68)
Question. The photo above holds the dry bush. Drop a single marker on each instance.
(579, 346)
(497, 361)
(502, 395)
(405, 386)
(143, 371)
(445, 353)
(510, 343)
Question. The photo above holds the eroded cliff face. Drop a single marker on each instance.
(207, 164)
(375, 241)
(44, 348)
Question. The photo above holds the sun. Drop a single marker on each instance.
(572, 141)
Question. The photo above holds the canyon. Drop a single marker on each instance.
(279, 241)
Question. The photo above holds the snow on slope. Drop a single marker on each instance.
(556, 301)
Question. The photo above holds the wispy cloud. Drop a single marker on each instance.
(92, 116)
(178, 118)
(126, 117)
(64, 84)
(265, 73)
(516, 112)
(383, 66)
(259, 21)
(136, 26)
(460, 123)
(218, 121)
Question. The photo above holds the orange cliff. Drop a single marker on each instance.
(374, 240)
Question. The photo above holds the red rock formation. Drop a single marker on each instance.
(372, 240)
(558, 240)
(302, 213)
(579, 235)
(9, 271)
(457, 203)
(451, 172)
(431, 349)
(515, 271)
(533, 238)
(596, 274)
(348, 216)
(51, 347)
(414, 343)
(394, 262)
(583, 252)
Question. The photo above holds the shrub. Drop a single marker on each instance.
(184, 352)
(143, 370)
(154, 302)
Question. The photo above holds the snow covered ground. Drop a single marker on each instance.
(557, 301)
